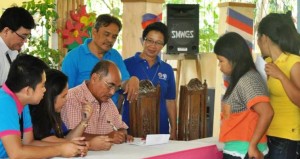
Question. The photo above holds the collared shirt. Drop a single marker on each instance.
(79, 62)
(160, 73)
(4, 64)
(284, 109)
(102, 112)
(10, 112)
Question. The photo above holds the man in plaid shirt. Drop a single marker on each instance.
(105, 80)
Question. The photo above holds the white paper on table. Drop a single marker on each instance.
(153, 139)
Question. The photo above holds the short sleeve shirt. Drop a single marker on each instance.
(10, 112)
(160, 73)
(284, 109)
(236, 109)
(102, 113)
(79, 62)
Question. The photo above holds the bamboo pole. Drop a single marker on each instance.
(60, 25)
(63, 9)
(74, 6)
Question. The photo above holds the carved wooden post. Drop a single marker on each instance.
(133, 11)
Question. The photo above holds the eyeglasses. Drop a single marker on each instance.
(112, 86)
(24, 37)
(152, 42)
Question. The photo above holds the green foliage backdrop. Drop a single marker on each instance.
(44, 12)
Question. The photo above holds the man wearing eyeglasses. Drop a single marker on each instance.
(15, 28)
(105, 80)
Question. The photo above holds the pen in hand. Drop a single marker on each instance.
(115, 129)
(112, 125)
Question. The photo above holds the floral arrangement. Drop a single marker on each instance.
(78, 28)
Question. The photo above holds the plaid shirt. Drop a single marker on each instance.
(107, 111)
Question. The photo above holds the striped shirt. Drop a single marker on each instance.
(238, 119)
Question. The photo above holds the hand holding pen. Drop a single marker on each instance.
(112, 125)
(119, 136)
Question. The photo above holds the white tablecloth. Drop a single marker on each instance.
(128, 151)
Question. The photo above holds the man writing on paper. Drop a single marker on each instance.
(105, 80)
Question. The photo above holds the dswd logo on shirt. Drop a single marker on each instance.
(162, 76)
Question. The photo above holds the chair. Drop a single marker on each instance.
(120, 103)
(192, 110)
(144, 113)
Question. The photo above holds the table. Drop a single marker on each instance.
(174, 149)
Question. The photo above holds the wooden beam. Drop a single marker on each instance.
(236, 4)
(151, 1)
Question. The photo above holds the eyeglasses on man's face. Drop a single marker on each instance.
(111, 86)
(23, 37)
(152, 42)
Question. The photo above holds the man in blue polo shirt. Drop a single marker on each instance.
(79, 62)
(25, 84)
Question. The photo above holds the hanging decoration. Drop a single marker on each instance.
(78, 28)
(149, 18)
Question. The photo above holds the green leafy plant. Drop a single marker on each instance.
(45, 16)
(112, 7)
(208, 34)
